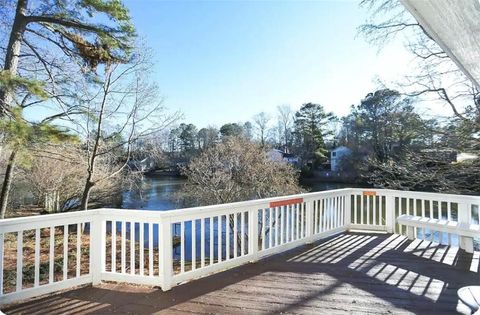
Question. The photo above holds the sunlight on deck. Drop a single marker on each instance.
(353, 272)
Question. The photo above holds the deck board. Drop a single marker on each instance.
(348, 273)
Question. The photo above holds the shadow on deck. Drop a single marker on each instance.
(354, 272)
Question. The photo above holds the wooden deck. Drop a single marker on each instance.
(348, 273)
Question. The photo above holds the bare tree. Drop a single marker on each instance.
(285, 120)
(261, 125)
(237, 169)
(435, 74)
(125, 108)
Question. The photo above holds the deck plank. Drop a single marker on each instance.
(348, 273)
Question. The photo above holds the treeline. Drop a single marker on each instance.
(391, 144)
(304, 133)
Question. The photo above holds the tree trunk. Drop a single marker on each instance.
(13, 52)
(86, 193)
(7, 183)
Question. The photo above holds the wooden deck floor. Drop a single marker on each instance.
(348, 273)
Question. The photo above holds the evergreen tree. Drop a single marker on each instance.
(311, 127)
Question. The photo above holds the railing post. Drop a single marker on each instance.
(309, 220)
(97, 248)
(348, 210)
(165, 243)
(253, 234)
(390, 213)
(464, 217)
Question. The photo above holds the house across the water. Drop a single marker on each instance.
(279, 155)
(336, 156)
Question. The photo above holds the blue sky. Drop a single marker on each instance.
(224, 61)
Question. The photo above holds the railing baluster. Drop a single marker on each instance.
(132, 248)
(19, 260)
(123, 252)
(368, 209)
(331, 211)
(270, 227)
(37, 258)
(326, 214)
(424, 205)
(335, 212)
(478, 213)
(2, 238)
(114, 246)
(302, 218)
(355, 209)
(340, 201)
(321, 224)
(203, 235)
(150, 249)
(297, 221)
(194, 244)
(235, 234)
(182, 246)
(227, 236)
(211, 249)
(242, 229)
(263, 229)
(339, 211)
(51, 258)
(287, 229)
(79, 250)
(431, 209)
(278, 233)
(380, 219)
(219, 238)
(449, 217)
(141, 241)
(415, 207)
(282, 226)
(65, 252)
(362, 209)
(375, 210)
(408, 206)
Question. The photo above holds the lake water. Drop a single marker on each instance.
(159, 193)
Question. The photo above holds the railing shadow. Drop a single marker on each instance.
(345, 273)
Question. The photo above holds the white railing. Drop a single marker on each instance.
(42, 254)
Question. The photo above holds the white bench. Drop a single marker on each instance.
(466, 232)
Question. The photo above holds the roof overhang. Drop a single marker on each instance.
(455, 26)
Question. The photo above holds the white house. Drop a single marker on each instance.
(279, 155)
(336, 155)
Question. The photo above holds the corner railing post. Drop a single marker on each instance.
(348, 209)
(464, 217)
(309, 220)
(390, 212)
(253, 234)
(97, 247)
(165, 243)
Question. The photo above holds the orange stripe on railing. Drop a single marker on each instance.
(369, 193)
(287, 202)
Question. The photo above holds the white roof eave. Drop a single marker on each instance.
(455, 26)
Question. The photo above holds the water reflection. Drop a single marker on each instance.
(159, 193)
